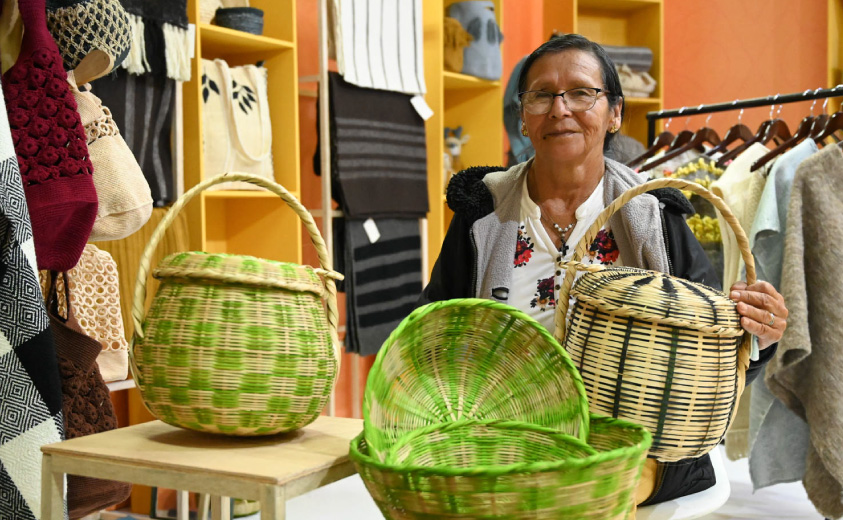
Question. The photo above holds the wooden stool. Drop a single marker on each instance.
(269, 469)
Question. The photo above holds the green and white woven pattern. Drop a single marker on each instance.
(466, 469)
(229, 358)
(470, 359)
(462, 447)
(656, 349)
(234, 344)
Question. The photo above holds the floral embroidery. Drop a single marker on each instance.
(524, 248)
(604, 248)
(545, 298)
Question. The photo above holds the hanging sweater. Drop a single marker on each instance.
(805, 373)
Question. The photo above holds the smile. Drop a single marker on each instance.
(561, 133)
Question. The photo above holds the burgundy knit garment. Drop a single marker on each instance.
(51, 146)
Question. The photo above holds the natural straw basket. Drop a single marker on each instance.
(470, 359)
(507, 470)
(235, 344)
(656, 349)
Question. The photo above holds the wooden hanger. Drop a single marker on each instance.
(834, 124)
(662, 140)
(738, 131)
(818, 125)
(734, 152)
(95, 65)
(698, 138)
(802, 132)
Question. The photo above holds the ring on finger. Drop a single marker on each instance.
(772, 320)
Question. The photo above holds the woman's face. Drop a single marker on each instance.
(561, 135)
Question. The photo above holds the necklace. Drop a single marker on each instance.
(559, 229)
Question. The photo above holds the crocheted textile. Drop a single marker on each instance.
(50, 144)
(102, 127)
(95, 299)
(84, 26)
(87, 409)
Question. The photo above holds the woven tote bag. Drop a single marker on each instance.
(656, 349)
(94, 292)
(123, 195)
(234, 344)
(236, 130)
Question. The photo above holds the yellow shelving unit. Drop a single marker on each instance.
(457, 100)
(617, 22)
(248, 222)
(835, 49)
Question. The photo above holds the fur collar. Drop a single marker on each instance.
(469, 196)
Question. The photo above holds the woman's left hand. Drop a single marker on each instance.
(762, 309)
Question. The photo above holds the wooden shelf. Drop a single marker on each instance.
(243, 194)
(617, 5)
(221, 41)
(634, 101)
(457, 81)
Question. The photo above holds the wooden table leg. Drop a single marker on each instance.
(273, 503)
(183, 505)
(52, 491)
(204, 506)
(220, 508)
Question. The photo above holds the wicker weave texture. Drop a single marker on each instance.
(235, 344)
(235, 358)
(655, 349)
(449, 482)
(470, 359)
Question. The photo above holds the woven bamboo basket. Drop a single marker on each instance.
(470, 359)
(507, 470)
(655, 349)
(235, 344)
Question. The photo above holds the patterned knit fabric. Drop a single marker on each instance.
(51, 147)
(80, 27)
(30, 389)
(87, 408)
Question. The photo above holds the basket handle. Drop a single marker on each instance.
(591, 234)
(321, 250)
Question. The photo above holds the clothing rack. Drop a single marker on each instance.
(777, 99)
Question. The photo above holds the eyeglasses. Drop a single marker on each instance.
(539, 102)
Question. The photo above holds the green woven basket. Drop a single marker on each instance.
(507, 469)
(235, 344)
(470, 359)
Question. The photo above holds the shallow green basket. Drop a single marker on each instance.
(234, 344)
(507, 470)
(470, 359)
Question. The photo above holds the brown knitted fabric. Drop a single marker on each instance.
(86, 405)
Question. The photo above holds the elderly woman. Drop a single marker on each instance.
(510, 226)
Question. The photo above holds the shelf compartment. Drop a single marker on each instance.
(264, 227)
(618, 5)
(221, 41)
(457, 81)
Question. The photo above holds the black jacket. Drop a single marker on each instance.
(453, 274)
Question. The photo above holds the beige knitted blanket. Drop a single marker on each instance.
(806, 370)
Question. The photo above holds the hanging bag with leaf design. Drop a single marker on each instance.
(236, 130)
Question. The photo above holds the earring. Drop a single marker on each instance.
(614, 129)
(524, 131)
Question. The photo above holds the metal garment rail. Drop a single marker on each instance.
(777, 99)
